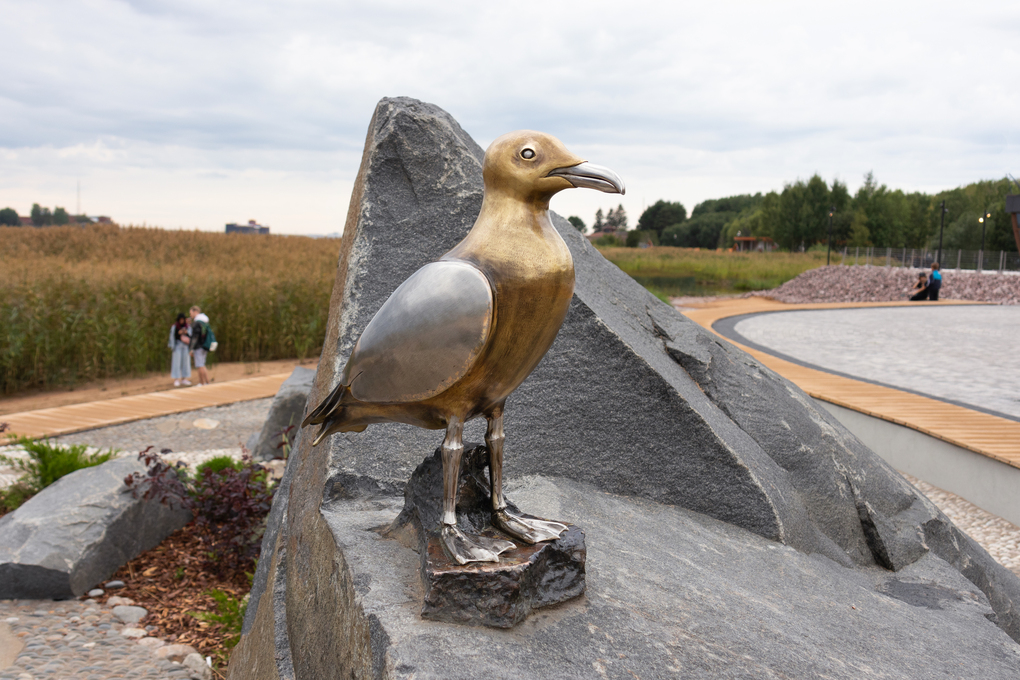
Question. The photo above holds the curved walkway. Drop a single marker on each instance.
(50, 422)
(991, 435)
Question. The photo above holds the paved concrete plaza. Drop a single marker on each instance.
(965, 354)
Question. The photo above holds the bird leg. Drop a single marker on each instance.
(462, 548)
(527, 528)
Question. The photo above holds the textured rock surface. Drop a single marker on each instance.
(632, 400)
(288, 409)
(674, 594)
(862, 283)
(500, 595)
(78, 531)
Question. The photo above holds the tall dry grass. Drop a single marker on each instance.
(79, 304)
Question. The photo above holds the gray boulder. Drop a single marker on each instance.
(79, 531)
(287, 409)
(647, 415)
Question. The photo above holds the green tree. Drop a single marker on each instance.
(599, 221)
(661, 215)
(617, 218)
(60, 216)
(9, 217)
(41, 217)
(578, 223)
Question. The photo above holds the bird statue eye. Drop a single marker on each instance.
(528, 154)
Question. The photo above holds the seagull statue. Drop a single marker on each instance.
(460, 334)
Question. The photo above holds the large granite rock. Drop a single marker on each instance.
(78, 531)
(721, 506)
(287, 409)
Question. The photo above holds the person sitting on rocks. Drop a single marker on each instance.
(920, 289)
(934, 282)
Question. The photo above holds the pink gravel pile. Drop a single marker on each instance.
(840, 283)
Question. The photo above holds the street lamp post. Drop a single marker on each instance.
(942, 226)
(981, 253)
(829, 251)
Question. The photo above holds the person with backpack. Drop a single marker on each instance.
(203, 341)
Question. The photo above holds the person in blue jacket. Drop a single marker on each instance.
(934, 282)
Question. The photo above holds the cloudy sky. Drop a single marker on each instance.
(192, 114)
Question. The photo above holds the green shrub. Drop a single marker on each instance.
(215, 465)
(229, 614)
(46, 463)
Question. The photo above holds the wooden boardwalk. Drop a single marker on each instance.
(989, 435)
(49, 422)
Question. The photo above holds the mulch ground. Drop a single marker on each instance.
(172, 582)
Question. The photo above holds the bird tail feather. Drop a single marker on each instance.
(328, 405)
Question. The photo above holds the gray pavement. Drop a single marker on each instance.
(964, 354)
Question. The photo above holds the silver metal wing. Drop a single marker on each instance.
(425, 337)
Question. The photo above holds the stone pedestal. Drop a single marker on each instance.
(498, 594)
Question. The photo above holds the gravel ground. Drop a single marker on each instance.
(75, 640)
(235, 424)
(864, 283)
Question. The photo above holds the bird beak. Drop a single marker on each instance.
(591, 176)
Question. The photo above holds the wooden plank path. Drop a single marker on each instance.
(50, 422)
(983, 433)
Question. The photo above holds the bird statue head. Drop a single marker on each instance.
(533, 166)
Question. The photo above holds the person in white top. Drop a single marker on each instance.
(199, 326)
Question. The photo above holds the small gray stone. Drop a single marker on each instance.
(129, 614)
(112, 585)
(133, 633)
(97, 592)
(199, 668)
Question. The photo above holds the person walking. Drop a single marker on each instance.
(199, 329)
(934, 282)
(180, 342)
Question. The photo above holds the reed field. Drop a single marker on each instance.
(669, 271)
(79, 304)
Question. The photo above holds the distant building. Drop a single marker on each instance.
(251, 228)
(747, 244)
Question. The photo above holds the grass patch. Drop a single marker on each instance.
(81, 304)
(45, 464)
(675, 271)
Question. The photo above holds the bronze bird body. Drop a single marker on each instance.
(460, 334)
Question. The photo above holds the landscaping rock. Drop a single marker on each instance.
(129, 614)
(78, 531)
(97, 592)
(199, 668)
(288, 409)
(863, 283)
(176, 653)
(732, 526)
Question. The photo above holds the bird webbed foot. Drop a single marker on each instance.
(527, 528)
(463, 548)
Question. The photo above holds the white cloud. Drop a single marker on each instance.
(236, 108)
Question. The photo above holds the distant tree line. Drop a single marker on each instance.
(798, 217)
(41, 217)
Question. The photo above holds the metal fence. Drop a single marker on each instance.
(974, 260)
